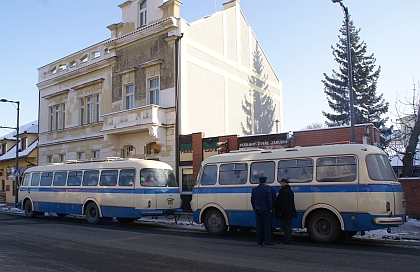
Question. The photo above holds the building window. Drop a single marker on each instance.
(57, 117)
(95, 154)
(89, 109)
(81, 156)
(49, 159)
(51, 119)
(96, 54)
(128, 151)
(73, 64)
(154, 91)
(23, 142)
(129, 97)
(97, 108)
(142, 14)
(82, 110)
(61, 157)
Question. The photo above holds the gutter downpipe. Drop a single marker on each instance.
(177, 64)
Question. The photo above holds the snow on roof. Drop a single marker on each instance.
(30, 128)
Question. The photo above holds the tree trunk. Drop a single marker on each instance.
(410, 150)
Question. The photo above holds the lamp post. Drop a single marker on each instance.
(17, 148)
(349, 70)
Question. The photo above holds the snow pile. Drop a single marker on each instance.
(409, 231)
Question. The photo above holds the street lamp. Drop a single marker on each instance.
(349, 70)
(17, 149)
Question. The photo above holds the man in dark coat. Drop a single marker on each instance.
(262, 204)
(285, 209)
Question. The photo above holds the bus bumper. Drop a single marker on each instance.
(388, 220)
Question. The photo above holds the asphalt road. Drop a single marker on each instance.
(66, 244)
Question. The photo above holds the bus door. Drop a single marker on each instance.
(126, 194)
(167, 190)
(233, 193)
(74, 180)
(301, 175)
(338, 186)
(146, 197)
(107, 196)
(33, 188)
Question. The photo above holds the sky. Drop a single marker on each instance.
(296, 36)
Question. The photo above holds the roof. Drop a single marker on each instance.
(30, 128)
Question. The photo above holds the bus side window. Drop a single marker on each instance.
(301, 170)
(259, 169)
(59, 178)
(233, 173)
(35, 179)
(46, 178)
(108, 178)
(336, 169)
(126, 177)
(90, 178)
(209, 176)
(74, 178)
(26, 179)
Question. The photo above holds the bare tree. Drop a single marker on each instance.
(314, 126)
(405, 140)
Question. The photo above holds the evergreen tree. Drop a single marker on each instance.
(368, 106)
(259, 113)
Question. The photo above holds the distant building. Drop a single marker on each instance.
(156, 77)
(27, 156)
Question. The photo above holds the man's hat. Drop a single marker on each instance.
(262, 178)
(285, 180)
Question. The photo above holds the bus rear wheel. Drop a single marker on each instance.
(29, 211)
(92, 213)
(323, 227)
(214, 222)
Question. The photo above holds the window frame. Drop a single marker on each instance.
(142, 14)
(153, 91)
(128, 96)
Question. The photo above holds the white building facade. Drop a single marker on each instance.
(156, 77)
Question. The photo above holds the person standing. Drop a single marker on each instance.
(262, 204)
(285, 209)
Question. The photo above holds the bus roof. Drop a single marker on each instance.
(106, 164)
(294, 152)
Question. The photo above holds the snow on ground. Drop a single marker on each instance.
(410, 231)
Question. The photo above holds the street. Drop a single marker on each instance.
(71, 244)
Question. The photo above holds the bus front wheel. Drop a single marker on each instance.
(323, 227)
(92, 213)
(29, 211)
(214, 222)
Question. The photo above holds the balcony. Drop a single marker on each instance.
(151, 118)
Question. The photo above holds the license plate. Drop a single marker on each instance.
(170, 201)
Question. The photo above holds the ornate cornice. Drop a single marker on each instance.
(76, 72)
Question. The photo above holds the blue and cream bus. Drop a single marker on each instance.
(339, 189)
(123, 188)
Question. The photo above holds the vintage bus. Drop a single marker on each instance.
(127, 189)
(339, 189)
